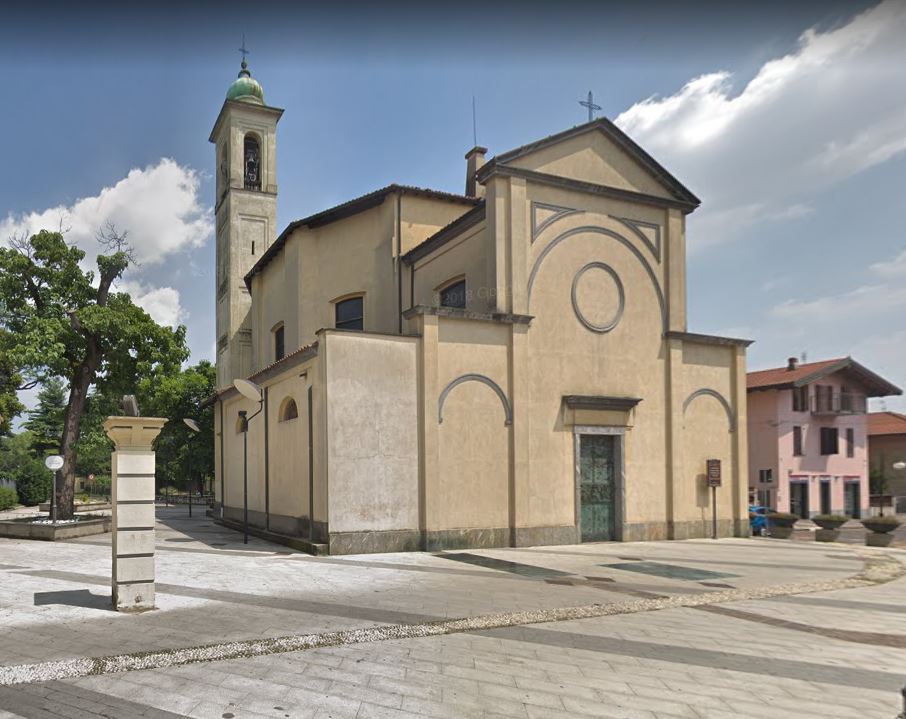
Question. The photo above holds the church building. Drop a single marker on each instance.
(510, 366)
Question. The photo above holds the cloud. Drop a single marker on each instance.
(831, 109)
(867, 301)
(158, 206)
(893, 268)
(162, 303)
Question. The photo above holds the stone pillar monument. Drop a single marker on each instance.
(132, 487)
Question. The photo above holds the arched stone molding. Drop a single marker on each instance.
(539, 225)
(707, 392)
(593, 229)
(615, 320)
(472, 377)
(636, 225)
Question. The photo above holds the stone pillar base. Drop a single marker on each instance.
(132, 490)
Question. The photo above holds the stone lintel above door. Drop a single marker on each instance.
(597, 410)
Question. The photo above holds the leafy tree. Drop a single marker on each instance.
(877, 481)
(10, 381)
(8, 498)
(45, 421)
(62, 321)
(18, 464)
(184, 458)
(93, 448)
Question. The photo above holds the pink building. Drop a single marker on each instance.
(808, 436)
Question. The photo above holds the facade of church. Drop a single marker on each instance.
(506, 367)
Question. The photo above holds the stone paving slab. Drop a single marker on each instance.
(214, 588)
(679, 661)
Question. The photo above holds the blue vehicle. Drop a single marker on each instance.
(758, 520)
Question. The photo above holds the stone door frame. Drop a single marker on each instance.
(619, 465)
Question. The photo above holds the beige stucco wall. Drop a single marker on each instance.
(372, 430)
(567, 358)
(592, 157)
(470, 488)
(284, 505)
(355, 255)
(711, 430)
(464, 257)
(288, 448)
(423, 216)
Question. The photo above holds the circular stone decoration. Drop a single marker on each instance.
(621, 298)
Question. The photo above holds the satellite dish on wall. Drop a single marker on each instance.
(247, 389)
(53, 462)
(192, 424)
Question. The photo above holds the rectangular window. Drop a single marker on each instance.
(797, 441)
(454, 295)
(279, 349)
(850, 442)
(350, 314)
(829, 440)
(766, 476)
(800, 399)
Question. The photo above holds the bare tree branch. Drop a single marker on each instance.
(114, 241)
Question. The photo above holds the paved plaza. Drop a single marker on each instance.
(701, 629)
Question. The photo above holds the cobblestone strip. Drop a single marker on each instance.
(878, 568)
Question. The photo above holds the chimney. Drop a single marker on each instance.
(474, 162)
(791, 364)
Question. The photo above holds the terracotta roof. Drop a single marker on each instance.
(347, 209)
(765, 378)
(299, 355)
(886, 423)
(783, 378)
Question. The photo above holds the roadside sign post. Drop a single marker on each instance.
(713, 475)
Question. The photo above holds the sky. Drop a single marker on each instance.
(787, 119)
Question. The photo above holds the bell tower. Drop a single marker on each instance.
(245, 209)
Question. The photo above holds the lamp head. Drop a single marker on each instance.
(192, 424)
(247, 389)
(899, 465)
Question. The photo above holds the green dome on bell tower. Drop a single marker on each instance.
(245, 88)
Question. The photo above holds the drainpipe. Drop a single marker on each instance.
(222, 467)
(311, 473)
(399, 267)
(267, 478)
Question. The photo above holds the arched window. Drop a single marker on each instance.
(454, 294)
(251, 166)
(288, 410)
(349, 314)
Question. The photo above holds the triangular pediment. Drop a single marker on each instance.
(601, 154)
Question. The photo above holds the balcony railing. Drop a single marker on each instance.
(839, 403)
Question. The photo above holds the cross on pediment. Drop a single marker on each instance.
(590, 104)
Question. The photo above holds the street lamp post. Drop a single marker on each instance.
(192, 425)
(53, 463)
(251, 392)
